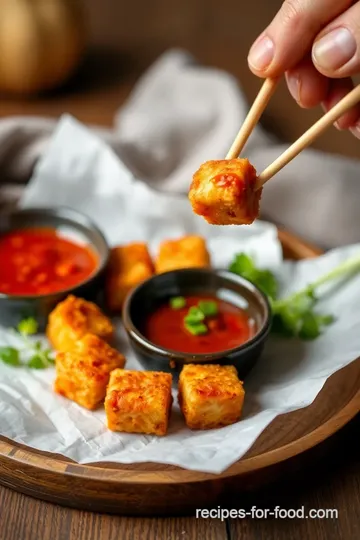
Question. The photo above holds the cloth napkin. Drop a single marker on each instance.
(181, 114)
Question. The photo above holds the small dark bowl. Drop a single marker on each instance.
(145, 298)
(14, 308)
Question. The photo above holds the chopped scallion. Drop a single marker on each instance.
(195, 315)
(209, 308)
(196, 329)
(177, 302)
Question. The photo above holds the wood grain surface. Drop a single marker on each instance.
(49, 522)
(331, 481)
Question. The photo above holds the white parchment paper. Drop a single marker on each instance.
(81, 172)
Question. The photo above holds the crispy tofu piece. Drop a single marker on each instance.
(72, 319)
(185, 252)
(83, 373)
(128, 266)
(139, 401)
(223, 192)
(210, 396)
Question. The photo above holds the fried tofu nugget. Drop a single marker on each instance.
(83, 373)
(223, 192)
(210, 396)
(185, 252)
(128, 266)
(72, 319)
(139, 401)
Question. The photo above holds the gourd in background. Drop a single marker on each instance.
(41, 43)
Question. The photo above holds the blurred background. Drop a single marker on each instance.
(86, 56)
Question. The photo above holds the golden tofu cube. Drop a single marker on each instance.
(139, 401)
(72, 319)
(129, 266)
(210, 396)
(186, 252)
(83, 373)
(223, 192)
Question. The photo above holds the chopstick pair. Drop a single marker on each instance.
(267, 90)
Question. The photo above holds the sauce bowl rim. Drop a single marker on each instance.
(134, 333)
(76, 218)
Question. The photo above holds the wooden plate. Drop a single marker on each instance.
(156, 489)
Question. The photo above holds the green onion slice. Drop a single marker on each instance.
(196, 329)
(177, 302)
(195, 315)
(209, 308)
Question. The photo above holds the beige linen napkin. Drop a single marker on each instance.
(181, 114)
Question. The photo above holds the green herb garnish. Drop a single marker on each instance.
(10, 356)
(37, 356)
(177, 302)
(196, 329)
(295, 315)
(194, 316)
(36, 362)
(194, 321)
(28, 327)
(41, 354)
(209, 308)
(244, 266)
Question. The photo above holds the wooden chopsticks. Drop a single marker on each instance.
(298, 146)
(310, 135)
(258, 107)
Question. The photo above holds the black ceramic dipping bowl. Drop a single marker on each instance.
(145, 299)
(71, 224)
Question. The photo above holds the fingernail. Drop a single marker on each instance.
(355, 130)
(261, 53)
(334, 49)
(293, 82)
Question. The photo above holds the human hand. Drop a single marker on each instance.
(316, 43)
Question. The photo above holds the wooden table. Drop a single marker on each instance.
(331, 480)
(330, 475)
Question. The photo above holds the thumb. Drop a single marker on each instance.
(291, 33)
(336, 50)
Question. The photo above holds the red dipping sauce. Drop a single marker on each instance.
(229, 329)
(39, 261)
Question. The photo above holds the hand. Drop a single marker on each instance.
(316, 43)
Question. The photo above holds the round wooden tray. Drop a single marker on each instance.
(156, 489)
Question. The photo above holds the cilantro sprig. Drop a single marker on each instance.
(33, 354)
(294, 316)
(244, 266)
(10, 356)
